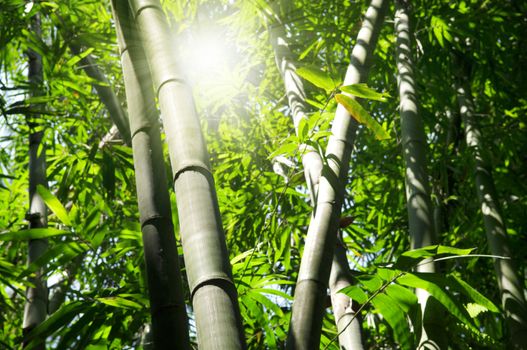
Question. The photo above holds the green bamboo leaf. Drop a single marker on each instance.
(34, 233)
(362, 90)
(264, 301)
(286, 148)
(241, 256)
(435, 285)
(404, 297)
(120, 302)
(467, 289)
(475, 309)
(61, 318)
(441, 249)
(79, 327)
(54, 205)
(317, 77)
(355, 293)
(395, 316)
(370, 282)
(75, 59)
(362, 116)
(408, 259)
(273, 292)
(63, 252)
(407, 301)
(75, 87)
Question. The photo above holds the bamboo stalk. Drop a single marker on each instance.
(106, 94)
(350, 335)
(510, 285)
(296, 96)
(348, 321)
(167, 304)
(419, 204)
(312, 282)
(35, 310)
(213, 292)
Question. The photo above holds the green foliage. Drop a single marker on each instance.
(388, 292)
(95, 249)
(362, 90)
(317, 77)
(362, 116)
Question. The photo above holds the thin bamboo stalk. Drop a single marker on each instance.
(106, 94)
(167, 304)
(350, 335)
(348, 322)
(311, 160)
(510, 285)
(419, 204)
(213, 292)
(312, 282)
(35, 310)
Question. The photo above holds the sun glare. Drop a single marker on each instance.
(207, 56)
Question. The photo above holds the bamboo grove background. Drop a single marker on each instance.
(295, 220)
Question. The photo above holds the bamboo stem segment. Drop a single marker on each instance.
(419, 204)
(213, 293)
(350, 335)
(510, 285)
(315, 266)
(167, 304)
(35, 310)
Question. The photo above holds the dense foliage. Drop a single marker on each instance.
(94, 264)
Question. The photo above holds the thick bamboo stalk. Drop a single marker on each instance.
(213, 292)
(350, 335)
(167, 304)
(312, 282)
(510, 285)
(419, 204)
(35, 310)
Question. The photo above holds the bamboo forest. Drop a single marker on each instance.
(263, 174)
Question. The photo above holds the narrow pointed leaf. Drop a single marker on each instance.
(355, 293)
(395, 316)
(434, 284)
(362, 90)
(58, 319)
(287, 148)
(408, 259)
(34, 233)
(362, 116)
(54, 205)
(317, 77)
(120, 302)
(479, 298)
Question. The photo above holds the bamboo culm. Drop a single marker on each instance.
(35, 310)
(167, 304)
(419, 204)
(312, 282)
(510, 285)
(312, 163)
(349, 323)
(106, 94)
(213, 293)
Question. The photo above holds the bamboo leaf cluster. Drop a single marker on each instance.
(262, 175)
